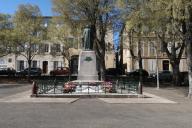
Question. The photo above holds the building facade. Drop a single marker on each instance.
(49, 56)
(152, 54)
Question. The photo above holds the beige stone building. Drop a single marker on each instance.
(47, 61)
(152, 54)
(49, 56)
(109, 53)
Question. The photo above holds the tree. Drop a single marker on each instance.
(28, 32)
(172, 33)
(165, 18)
(188, 10)
(171, 22)
(60, 32)
(5, 35)
(121, 13)
(133, 23)
(92, 12)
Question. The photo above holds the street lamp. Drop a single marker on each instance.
(157, 65)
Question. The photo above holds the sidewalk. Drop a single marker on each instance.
(24, 97)
(177, 94)
(162, 96)
(13, 85)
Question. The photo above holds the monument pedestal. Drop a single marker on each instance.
(87, 69)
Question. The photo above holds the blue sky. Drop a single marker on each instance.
(10, 6)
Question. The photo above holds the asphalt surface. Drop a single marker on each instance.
(11, 89)
(94, 113)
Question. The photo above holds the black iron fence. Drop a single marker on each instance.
(64, 86)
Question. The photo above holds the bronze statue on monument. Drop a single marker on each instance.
(87, 40)
(87, 67)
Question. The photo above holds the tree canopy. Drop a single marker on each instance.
(88, 12)
(5, 38)
(27, 32)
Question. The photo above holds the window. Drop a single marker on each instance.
(151, 49)
(9, 60)
(44, 48)
(56, 48)
(72, 42)
(163, 48)
(20, 65)
(165, 65)
(2, 61)
(55, 64)
(152, 65)
(34, 64)
(143, 48)
(34, 47)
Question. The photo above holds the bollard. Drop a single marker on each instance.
(140, 88)
(34, 89)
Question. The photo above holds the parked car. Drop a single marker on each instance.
(7, 71)
(111, 71)
(165, 76)
(136, 74)
(33, 72)
(186, 81)
(60, 71)
(184, 78)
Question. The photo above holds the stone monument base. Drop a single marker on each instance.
(87, 66)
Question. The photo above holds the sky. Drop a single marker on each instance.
(10, 6)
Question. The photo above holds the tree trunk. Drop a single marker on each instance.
(122, 70)
(102, 58)
(140, 91)
(174, 59)
(99, 48)
(189, 49)
(102, 69)
(176, 73)
(117, 61)
(29, 70)
(70, 66)
(189, 61)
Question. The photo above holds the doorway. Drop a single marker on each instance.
(74, 64)
(45, 67)
(165, 65)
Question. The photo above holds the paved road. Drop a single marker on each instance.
(94, 113)
(11, 89)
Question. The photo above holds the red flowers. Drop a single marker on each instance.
(69, 87)
(108, 87)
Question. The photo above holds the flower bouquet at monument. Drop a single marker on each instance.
(107, 87)
(69, 87)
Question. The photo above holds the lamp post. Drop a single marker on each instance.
(157, 66)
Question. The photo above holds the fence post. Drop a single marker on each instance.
(140, 88)
(54, 86)
(34, 89)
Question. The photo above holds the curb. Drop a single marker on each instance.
(88, 96)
